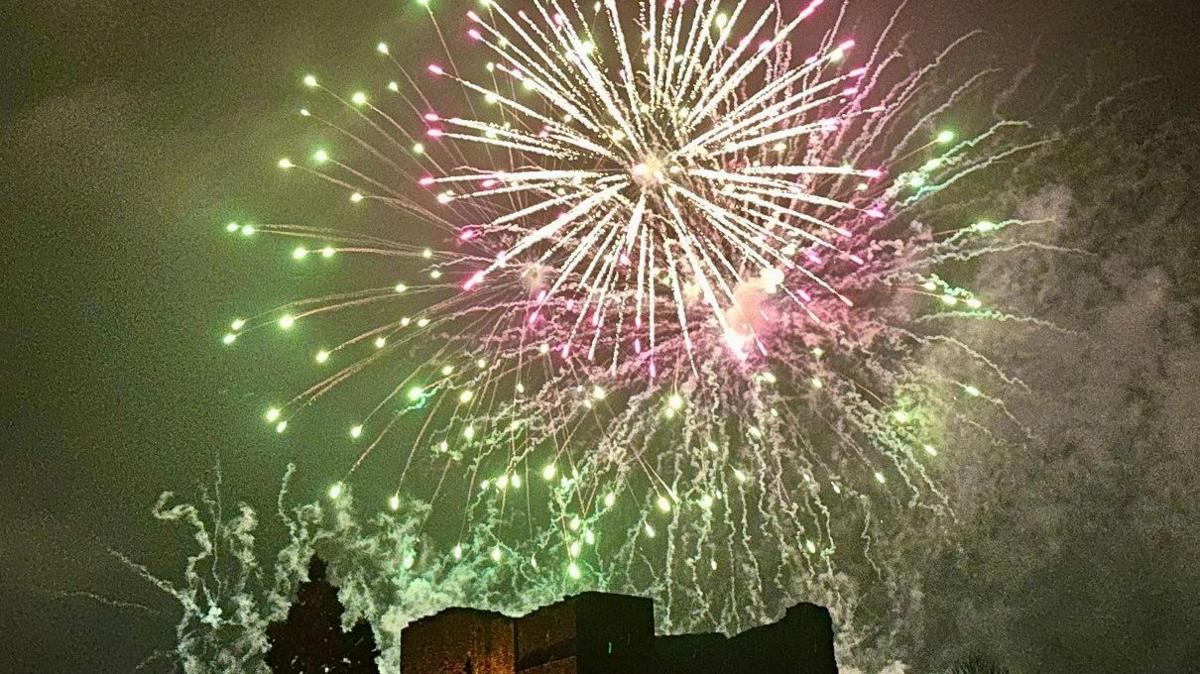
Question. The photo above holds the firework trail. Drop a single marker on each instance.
(662, 292)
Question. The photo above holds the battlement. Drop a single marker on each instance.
(600, 633)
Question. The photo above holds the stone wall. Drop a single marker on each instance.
(459, 641)
(597, 633)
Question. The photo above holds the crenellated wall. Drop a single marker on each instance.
(598, 633)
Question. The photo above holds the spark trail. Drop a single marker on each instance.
(662, 312)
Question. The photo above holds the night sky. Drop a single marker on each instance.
(134, 129)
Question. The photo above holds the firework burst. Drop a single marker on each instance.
(671, 313)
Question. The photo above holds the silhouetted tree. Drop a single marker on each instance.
(311, 641)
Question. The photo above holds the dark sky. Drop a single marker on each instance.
(133, 129)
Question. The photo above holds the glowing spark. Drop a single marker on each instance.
(642, 238)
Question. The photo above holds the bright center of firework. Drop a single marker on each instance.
(648, 179)
(650, 172)
(533, 276)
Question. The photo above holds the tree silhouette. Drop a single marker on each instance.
(311, 641)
